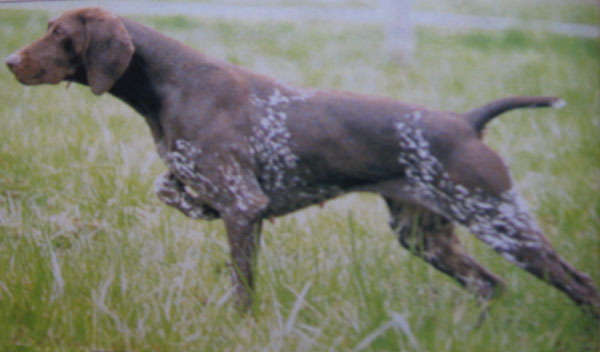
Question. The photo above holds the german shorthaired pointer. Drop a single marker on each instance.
(243, 147)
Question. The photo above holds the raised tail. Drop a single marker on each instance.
(479, 117)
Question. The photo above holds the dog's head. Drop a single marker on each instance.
(91, 39)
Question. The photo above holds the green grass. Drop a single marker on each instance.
(91, 260)
(575, 11)
(549, 10)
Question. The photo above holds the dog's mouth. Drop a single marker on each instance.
(35, 78)
(39, 77)
(31, 80)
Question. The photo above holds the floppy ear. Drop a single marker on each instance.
(107, 51)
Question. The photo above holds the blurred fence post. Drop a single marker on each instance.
(399, 36)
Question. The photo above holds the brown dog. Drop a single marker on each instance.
(242, 147)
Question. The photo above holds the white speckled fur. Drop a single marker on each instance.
(501, 222)
(270, 144)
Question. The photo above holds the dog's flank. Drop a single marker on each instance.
(242, 147)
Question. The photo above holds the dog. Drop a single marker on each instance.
(243, 147)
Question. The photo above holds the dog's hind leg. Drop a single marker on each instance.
(474, 189)
(470, 185)
(431, 237)
(503, 223)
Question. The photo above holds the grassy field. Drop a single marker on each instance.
(90, 260)
(576, 11)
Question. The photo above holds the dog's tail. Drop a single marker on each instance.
(479, 117)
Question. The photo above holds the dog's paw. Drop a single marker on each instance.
(174, 193)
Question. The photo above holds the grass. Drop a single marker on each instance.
(90, 260)
(578, 11)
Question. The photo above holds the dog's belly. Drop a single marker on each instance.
(286, 200)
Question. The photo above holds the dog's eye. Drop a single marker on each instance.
(58, 31)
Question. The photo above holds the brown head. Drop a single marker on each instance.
(89, 39)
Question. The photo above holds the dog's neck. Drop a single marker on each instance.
(136, 89)
(136, 86)
(145, 84)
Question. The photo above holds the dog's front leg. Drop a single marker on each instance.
(172, 192)
(243, 225)
(244, 240)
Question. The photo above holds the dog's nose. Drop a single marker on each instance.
(13, 60)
